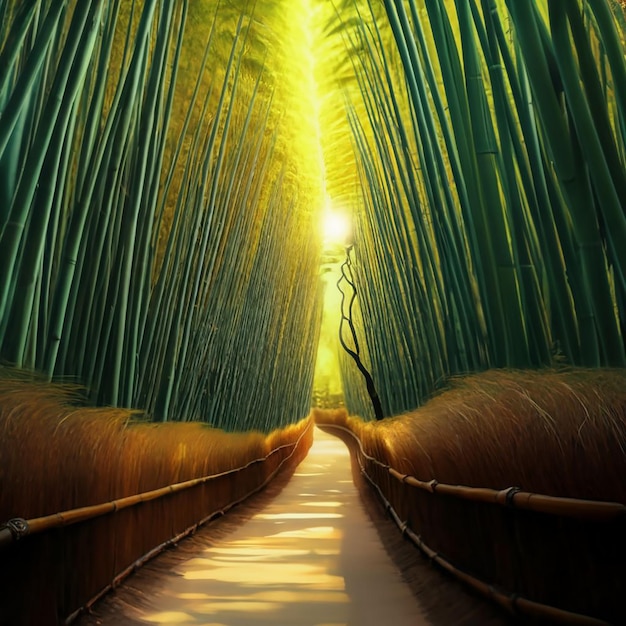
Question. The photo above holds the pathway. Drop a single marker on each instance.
(312, 557)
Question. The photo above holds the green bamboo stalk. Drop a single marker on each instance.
(396, 235)
(140, 211)
(414, 299)
(445, 223)
(604, 189)
(379, 277)
(108, 178)
(159, 312)
(96, 101)
(12, 231)
(229, 208)
(76, 229)
(593, 127)
(24, 313)
(568, 165)
(565, 330)
(404, 166)
(13, 45)
(164, 398)
(452, 237)
(609, 35)
(532, 307)
(83, 322)
(21, 92)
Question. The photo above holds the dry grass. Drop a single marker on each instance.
(557, 433)
(56, 455)
(561, 433)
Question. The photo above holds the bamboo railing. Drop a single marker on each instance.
(17, 533)
(17, 528)
(512, 498)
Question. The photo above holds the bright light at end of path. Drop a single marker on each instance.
(337, 227)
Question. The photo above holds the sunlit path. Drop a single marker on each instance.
(311, 558)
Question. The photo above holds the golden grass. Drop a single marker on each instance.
(560, 433)
(57, 455)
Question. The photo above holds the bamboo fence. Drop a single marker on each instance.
(397, 492)
(53, 559)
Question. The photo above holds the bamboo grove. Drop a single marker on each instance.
(489, 145)
(156, 239)
(163, 165)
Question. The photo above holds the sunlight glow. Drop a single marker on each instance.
(273, 516)
(337, 227)
(169, 617)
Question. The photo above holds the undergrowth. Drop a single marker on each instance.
(57, 454)
(559, 433)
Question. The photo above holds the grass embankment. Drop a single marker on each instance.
(559, 433)
(57, 455)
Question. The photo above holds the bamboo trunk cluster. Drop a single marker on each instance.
(489, 145)
(156, 236)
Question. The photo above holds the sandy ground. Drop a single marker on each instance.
(311, 557)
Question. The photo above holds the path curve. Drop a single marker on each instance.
(311, 557)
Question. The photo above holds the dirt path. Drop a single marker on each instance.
(312, 557)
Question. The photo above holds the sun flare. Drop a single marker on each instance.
(337, 227)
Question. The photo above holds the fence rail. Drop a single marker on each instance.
(510, 497)
(513, 498)
(35, 550)
(18, 528)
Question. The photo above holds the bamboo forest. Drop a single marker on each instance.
(277, 274)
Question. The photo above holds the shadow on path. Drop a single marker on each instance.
(304, 554)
